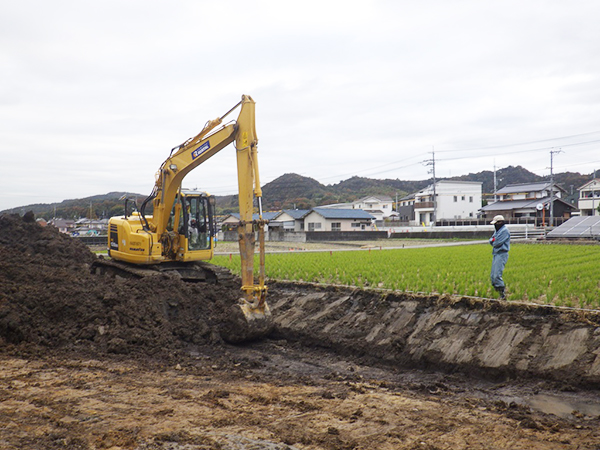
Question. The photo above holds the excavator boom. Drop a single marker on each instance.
(180, 229)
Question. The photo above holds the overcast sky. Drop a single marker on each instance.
(95, 94)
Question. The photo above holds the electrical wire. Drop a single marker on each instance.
(391, 167)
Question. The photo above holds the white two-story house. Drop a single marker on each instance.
(589, 198)
(381, 206)
(453, 200)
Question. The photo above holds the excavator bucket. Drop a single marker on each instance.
(251, 318)
(247, 323)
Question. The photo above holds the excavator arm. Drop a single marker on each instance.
(195, 151)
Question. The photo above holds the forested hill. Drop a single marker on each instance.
(295, 191)
(97, 206)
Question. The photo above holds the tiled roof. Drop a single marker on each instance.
(267, 215)
(527, 187)
(520, 204)
(343, 213)
(296, 213)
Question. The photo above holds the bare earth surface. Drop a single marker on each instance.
(95, 363)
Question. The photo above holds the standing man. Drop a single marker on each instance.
(500, 242)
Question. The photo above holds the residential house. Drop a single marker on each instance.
(90, 227)
(589, 198)
(380, 206)
(406, 209)
(63, 225)
(529, 201)
(230, 222)
(331, 219)
(453, 200)
(289, 220)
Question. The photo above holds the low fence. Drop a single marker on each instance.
(324, 236)
(447, 234)
(534, 221)
(310, 236)
(468, 234)
(93, 240)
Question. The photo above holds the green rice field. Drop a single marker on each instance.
(563, 275)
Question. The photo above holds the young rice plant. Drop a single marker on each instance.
(556, 274)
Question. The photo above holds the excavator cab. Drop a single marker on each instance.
(196, 220)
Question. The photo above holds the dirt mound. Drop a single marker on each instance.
(49, 297)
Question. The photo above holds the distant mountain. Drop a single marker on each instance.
(98, 206)
(518, 174)
(291, 191)
(508, 175)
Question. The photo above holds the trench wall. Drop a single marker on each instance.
(482, 337)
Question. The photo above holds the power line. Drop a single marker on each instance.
(552, 153)
(390, 167)
(521, 143)
(519, 151)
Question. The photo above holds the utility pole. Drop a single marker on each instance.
(495, 183)
(431, 162)
(552, 152)
(594, 194)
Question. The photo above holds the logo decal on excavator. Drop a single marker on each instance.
(200, 149)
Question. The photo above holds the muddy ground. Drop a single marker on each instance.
(89, 362)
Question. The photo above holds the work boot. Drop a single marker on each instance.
(502, 293)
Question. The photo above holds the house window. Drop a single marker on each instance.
(356, 225)
(455, 199)
(312, 226)
(463, 198)
(471, 199)
(336, 226)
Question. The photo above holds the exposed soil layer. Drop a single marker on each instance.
(490, 338)
(89, 362)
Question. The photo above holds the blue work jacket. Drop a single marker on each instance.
(500, 240)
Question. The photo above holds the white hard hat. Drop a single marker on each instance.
(497, 219)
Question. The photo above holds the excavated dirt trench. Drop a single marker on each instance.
(90, 362)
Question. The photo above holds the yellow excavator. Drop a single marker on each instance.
(180, 234)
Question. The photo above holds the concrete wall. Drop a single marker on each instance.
(285, 236)
(480, 234)
(313, 236)
(324, 236)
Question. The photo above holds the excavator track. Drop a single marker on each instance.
(194, 272)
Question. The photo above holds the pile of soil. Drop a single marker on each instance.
(49, 298)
